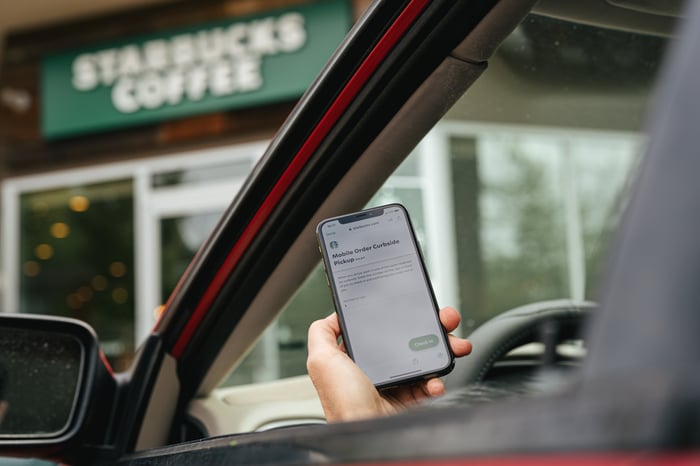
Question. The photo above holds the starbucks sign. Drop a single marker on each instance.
(217, 66)
(217, 61)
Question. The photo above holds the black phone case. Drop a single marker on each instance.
(336, 302)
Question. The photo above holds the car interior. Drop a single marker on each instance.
(569, 81)
(511, 138)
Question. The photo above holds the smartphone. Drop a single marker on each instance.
(385, 303)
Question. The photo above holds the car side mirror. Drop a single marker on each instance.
(51, 376)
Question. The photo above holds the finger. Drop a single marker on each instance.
(460, 346)
(323, 334)
(324, 352)
(333, 323)
(435, 387)
(407, 395)
(420, 391)
(450, 318)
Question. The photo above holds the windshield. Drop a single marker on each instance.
(529, 168)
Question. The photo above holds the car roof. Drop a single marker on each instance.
(657, 17)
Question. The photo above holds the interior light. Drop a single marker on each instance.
(99, 282)
(120, 295)
(73, 301)
(60, 230)
(79, 203)
(85, 293)
(158, 311)
(31, 268)
(117, 269)
(44, 251)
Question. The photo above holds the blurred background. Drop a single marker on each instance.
(126, 128)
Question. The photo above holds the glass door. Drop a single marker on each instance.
(107, 244)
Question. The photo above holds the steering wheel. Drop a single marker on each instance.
(496, 343)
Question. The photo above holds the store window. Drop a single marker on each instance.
(77, 259)
(107, 244)
(189, 202)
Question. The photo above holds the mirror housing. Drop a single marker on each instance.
(58, 393)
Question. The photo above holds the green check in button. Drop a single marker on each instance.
(424, 342)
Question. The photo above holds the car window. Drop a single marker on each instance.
(529, 171)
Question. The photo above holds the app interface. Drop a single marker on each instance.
(383, 295)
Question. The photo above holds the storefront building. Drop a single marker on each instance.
(124, 138)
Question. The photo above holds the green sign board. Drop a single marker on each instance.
(226, 64)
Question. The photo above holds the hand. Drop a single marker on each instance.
(345, 391)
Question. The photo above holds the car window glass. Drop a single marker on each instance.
(529, 169)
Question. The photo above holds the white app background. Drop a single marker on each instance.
(393, 329)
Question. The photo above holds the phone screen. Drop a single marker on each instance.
(388, 314)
